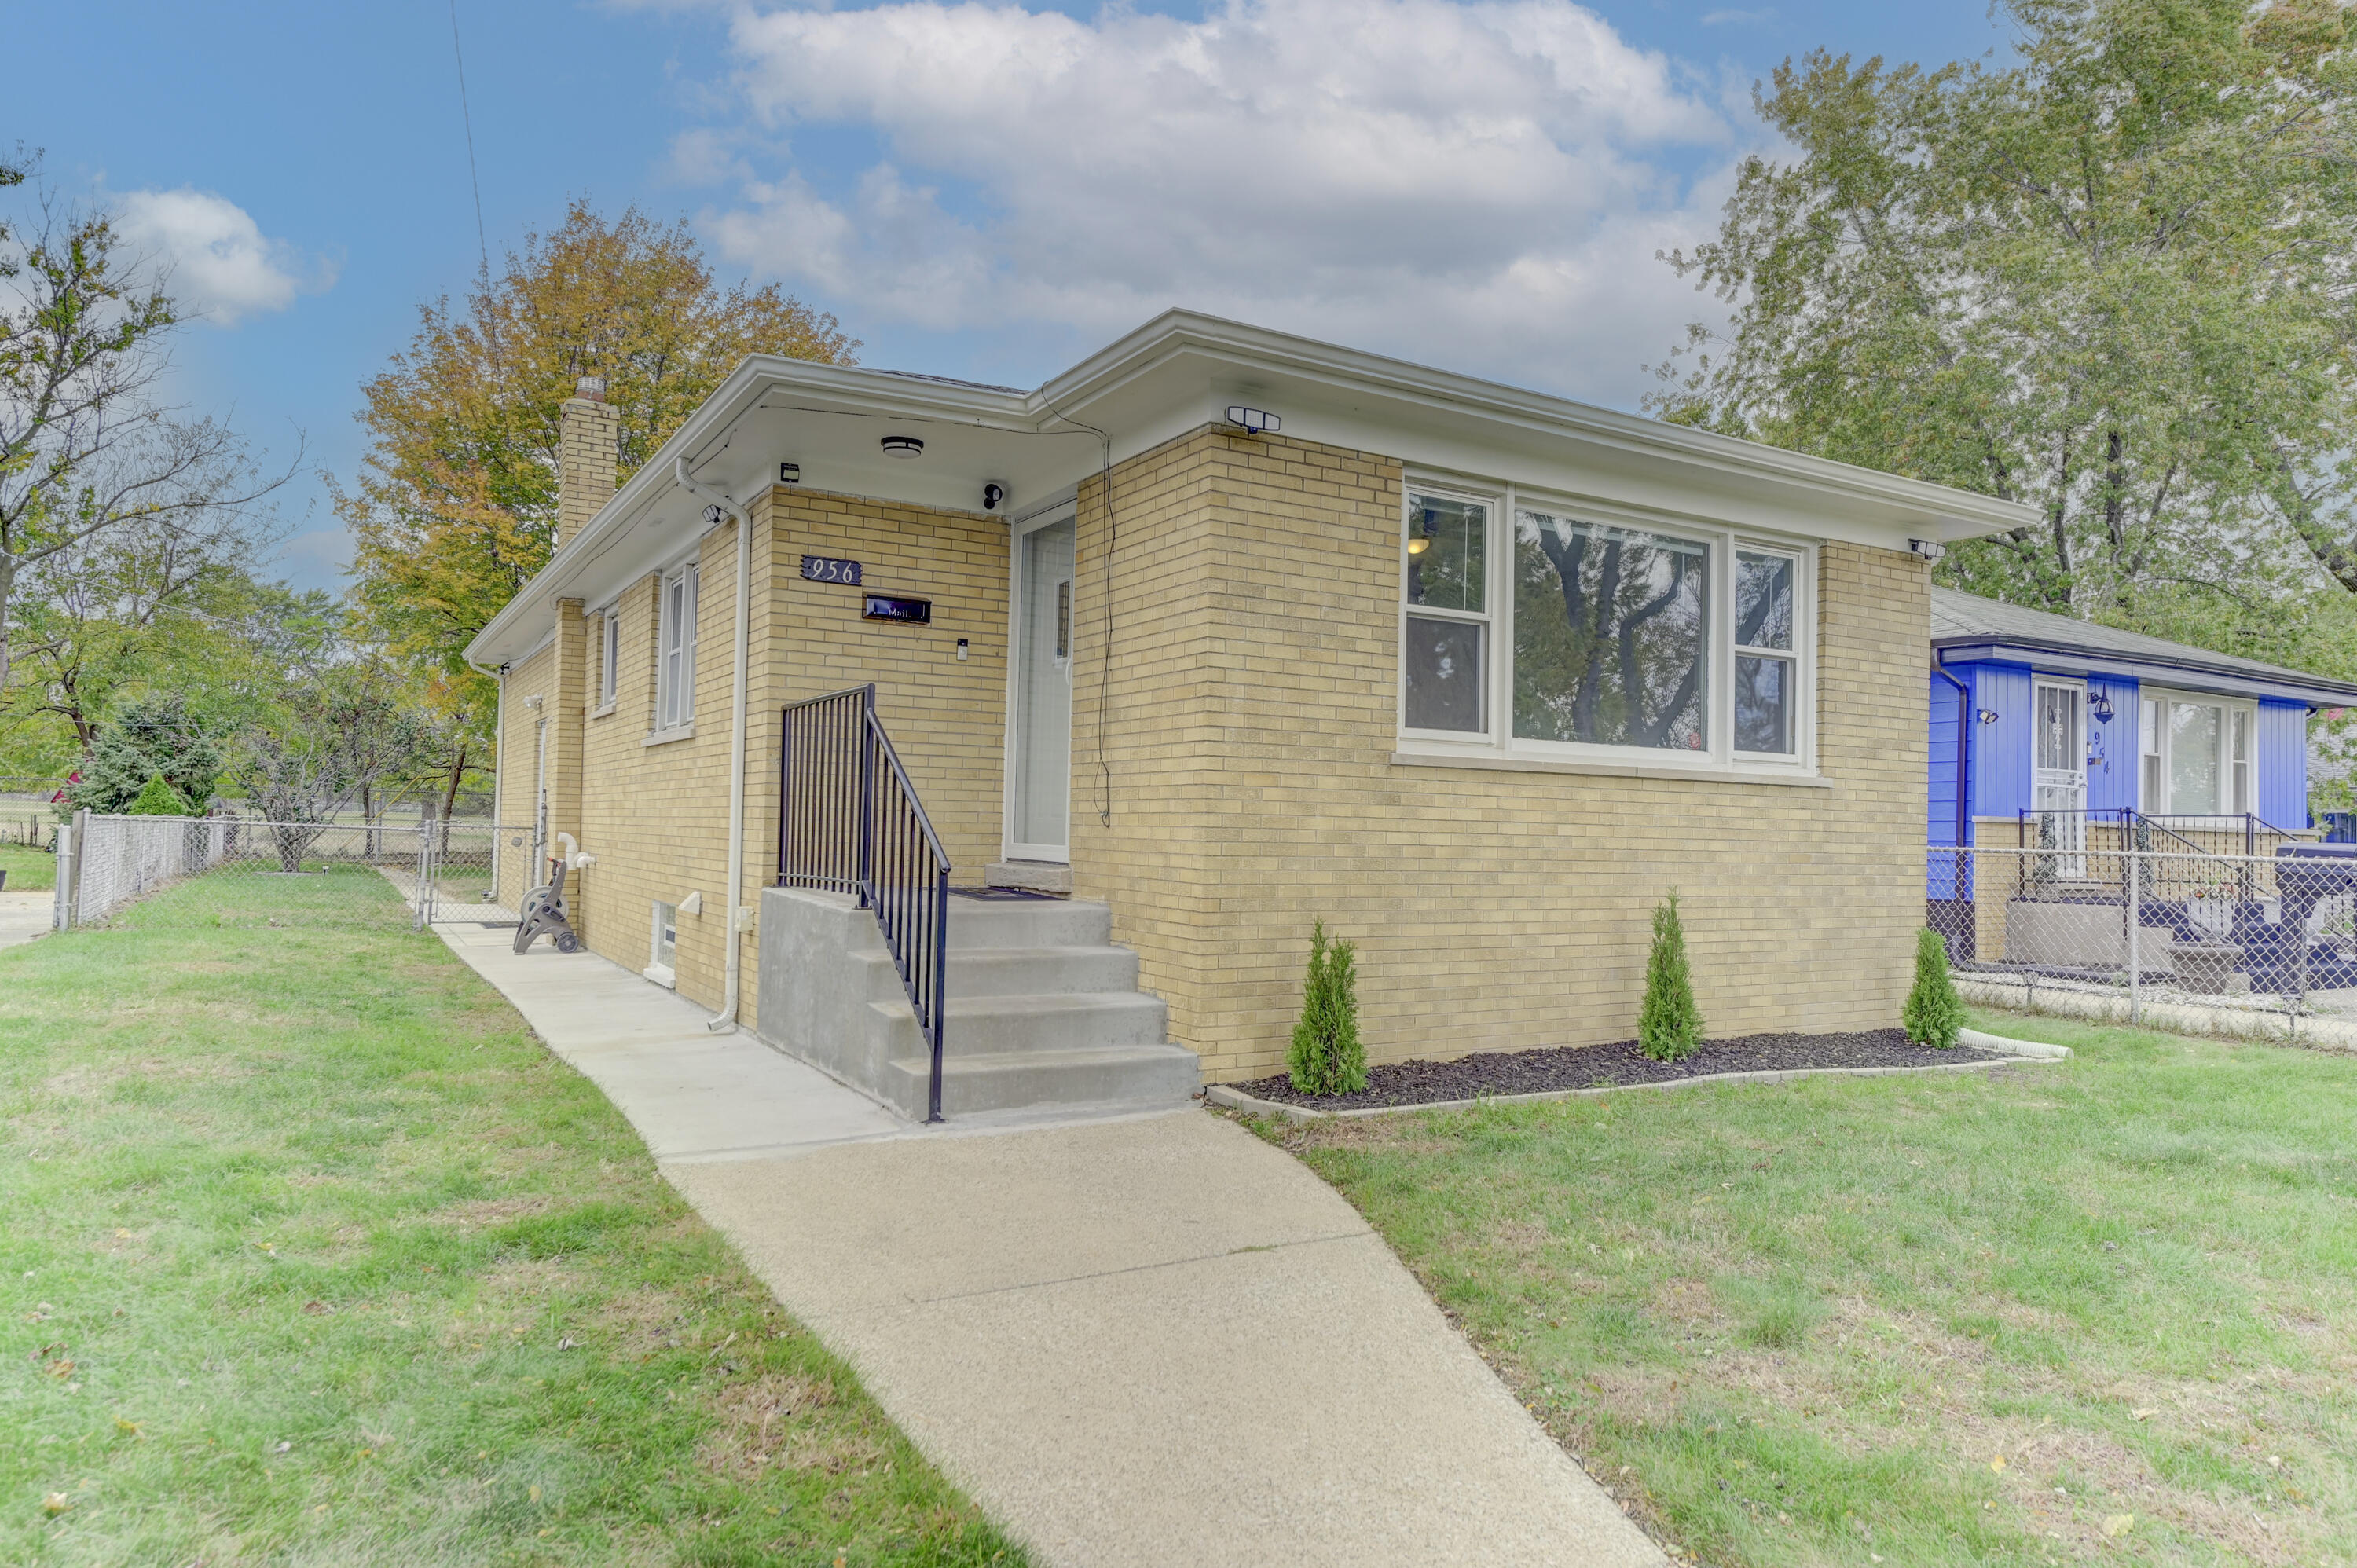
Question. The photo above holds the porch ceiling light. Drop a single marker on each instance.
(903, 446)
(1418, 544)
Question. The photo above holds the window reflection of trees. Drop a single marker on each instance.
(1609, 635)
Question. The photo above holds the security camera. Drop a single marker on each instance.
(992, 495)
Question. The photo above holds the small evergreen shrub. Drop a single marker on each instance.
(1327, 1056)
(1669, 1025)
(158, 798)
(1934, 1013)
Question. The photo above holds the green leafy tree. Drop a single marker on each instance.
(2111, 279)
(157, 737)
(1934, 1013)
(87, 449)
(158, 798)
(454, 506)
(1327, 1056)
(1669, 1024)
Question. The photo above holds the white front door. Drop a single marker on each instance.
(2058, 774)
(1040, 695)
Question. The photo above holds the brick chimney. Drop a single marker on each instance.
(588, 439)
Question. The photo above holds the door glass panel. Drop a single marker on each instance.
(1042, 770)
(2057, 729)
(2194, 734)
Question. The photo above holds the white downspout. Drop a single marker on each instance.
(498, 775)
(726, 1017)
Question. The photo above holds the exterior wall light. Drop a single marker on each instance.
(1418, 543)
(1986, 716)
(903, 446)
(2099, 707)
(1253, 421)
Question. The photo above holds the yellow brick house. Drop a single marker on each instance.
(1217, 633)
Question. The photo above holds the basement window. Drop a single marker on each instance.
(662, 962)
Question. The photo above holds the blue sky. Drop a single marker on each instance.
(974, 191)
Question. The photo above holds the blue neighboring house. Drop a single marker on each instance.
(2036, 712)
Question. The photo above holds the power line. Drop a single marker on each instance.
(482, 245)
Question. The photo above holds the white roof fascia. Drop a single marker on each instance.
(1143, 390)
(1554, 440)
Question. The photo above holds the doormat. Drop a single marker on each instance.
(1006, 893)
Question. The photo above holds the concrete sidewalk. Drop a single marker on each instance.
(1150, 1341)
(27, 915)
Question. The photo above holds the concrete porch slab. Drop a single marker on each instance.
(25, 914)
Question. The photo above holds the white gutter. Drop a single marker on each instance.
(726, 1017)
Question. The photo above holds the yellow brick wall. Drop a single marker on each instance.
(1249, 738)
(947, 719)
(1248, 742)
(656, 817)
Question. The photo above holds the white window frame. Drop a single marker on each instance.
(609, 657)
(1494, 502)
(1497, 740)
(675, 648)
(2153, 740)
(662, 958)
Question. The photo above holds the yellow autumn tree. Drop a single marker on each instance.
(455, 505)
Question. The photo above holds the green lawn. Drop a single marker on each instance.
(2107, 1307)
(312, 1256)
(28, 869)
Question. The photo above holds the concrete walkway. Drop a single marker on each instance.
(24, 916)
(1149, 1341)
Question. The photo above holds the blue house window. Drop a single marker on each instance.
(2197, 757)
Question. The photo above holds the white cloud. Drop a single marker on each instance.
(214, 257)
(1480, 185)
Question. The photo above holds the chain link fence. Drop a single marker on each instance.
(218, 871)
(2099, 912)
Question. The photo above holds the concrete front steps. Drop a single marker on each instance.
(1044, 1013)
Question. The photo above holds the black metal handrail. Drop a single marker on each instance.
(849, 821)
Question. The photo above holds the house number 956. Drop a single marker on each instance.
(827, 569)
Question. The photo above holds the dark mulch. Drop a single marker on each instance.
(1587, 1067)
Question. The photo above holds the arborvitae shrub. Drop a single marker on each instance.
(158, 798)
(1327, 1056)
(1669, 1026)
(1934, 1013)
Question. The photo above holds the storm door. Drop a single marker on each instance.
(2059, 776)
(1039, 696)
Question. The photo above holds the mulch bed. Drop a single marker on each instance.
(1588, 1067)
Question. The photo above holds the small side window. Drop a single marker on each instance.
(664, 957)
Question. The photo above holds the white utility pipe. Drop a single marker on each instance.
(726, 1017)
(498, 755)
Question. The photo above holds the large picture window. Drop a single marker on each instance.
(2197, 758)
(1535, 627)
(1611, 634)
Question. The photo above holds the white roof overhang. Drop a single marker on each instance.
(1176, 373)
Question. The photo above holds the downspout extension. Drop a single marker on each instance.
(726, 1017)
(1964, 753)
